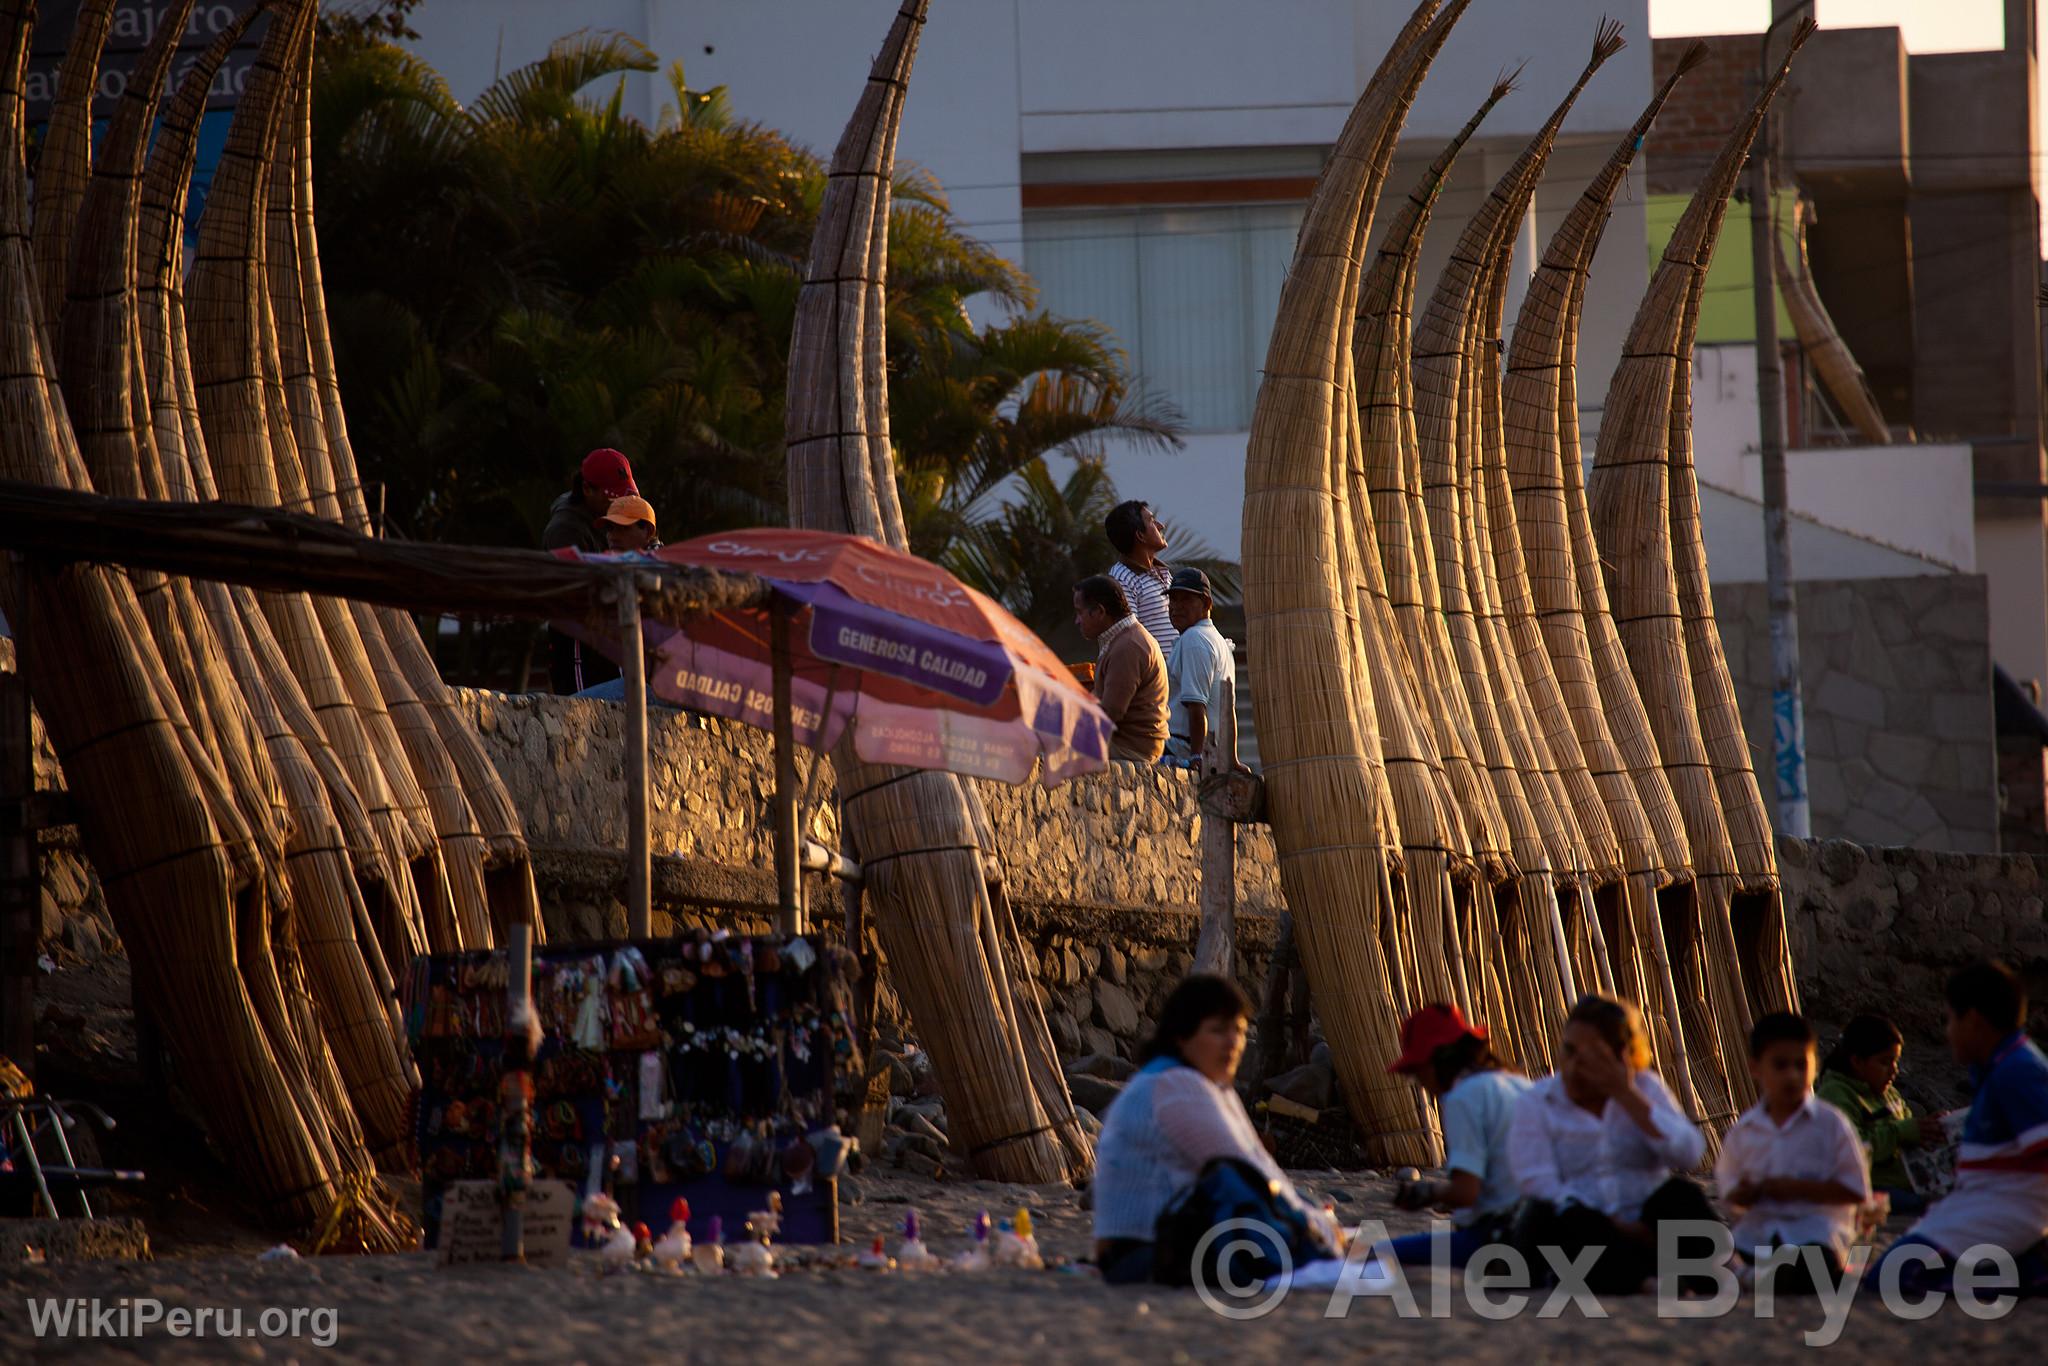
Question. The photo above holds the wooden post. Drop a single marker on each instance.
(789, 910)
(515, 1127)
(639, 856)
(1215, 951)
(21, 876)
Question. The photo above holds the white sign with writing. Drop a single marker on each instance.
(473, 1223)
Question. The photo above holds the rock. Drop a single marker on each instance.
(901, 1081)
(1092, 1126)
(1096, 1039)
(1108, 1067)
(1094, 1093)
(1311, 1084)
(1113, 965)
(82, 937)
(1149, 960)
(1114, 1008)
(50, 928)
(1066, 1035)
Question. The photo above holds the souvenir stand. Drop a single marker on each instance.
(697, 1068)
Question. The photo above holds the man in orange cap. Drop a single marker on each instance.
(629, 525)
(604, 475)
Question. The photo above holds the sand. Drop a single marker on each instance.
(404, 1308)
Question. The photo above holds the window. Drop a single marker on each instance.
(1190, 294)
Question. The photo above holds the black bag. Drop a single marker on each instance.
(1269, 1234)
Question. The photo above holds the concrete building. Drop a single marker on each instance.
(1918, 175)
(1146, 160)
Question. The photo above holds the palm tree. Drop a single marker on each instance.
(516, 281)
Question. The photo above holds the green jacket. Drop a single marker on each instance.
(1884, 1123)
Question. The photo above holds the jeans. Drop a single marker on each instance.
(1418, 1249)
(1916, 1278)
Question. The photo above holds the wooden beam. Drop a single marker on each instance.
(284, 552)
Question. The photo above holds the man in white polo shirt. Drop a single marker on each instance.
(1200, 656)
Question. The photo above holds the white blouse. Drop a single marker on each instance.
(1565, 1154)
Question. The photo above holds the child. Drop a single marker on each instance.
(1450, 1059)
(1857, 1080)
(1791, 1165)
(2000, 1197)
(628, 525)
(1595, 1147)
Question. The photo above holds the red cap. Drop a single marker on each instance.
(1429, 1029)
(609, 473)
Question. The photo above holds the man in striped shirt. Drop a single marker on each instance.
(1144, 577)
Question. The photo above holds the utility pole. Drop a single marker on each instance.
(1788, 715)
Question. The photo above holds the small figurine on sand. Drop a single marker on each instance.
(672, 1250)
(913, 1255)
(976, 1257)
(710, 1254)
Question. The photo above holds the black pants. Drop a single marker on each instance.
(1794, 1277)
(1625, 1261)
(1126, 1261)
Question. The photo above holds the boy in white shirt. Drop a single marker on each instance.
(1791, 1167)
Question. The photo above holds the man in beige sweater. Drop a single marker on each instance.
(1130, 675)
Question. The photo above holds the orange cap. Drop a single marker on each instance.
(628, 510)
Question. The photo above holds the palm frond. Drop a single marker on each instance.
(547, 89)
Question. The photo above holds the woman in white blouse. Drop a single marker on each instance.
(1597, 1145)
(1179, 1113)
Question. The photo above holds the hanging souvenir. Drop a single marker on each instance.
(590, 1014)
(654, 1104)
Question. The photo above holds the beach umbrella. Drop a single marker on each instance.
(927, 672)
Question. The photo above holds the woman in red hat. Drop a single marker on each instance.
(1450, 1059)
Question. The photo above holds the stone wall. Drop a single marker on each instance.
(1104, 874)
(1879, 930)
(1895, 676)
(1122, 840)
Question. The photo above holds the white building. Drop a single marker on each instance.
(1146, 160)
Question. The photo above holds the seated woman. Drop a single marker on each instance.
(1450, 1059)
(1178, 1114)
(1595, 1147)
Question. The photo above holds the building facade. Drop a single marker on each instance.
(1146, 160)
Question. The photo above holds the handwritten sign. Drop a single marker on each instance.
(473, 1223)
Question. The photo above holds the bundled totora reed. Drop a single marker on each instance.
(933, 884)
(276, 791)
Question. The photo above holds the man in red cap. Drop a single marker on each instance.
(604, 475)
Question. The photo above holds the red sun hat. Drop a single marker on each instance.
(609, 472)
(1429, 1029)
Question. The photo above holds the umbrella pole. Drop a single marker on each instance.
(789, 912)
(639, 859)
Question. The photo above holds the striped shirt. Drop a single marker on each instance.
(2001, 1190)
(1146, 589)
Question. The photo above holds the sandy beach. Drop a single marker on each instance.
(405, 1308)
